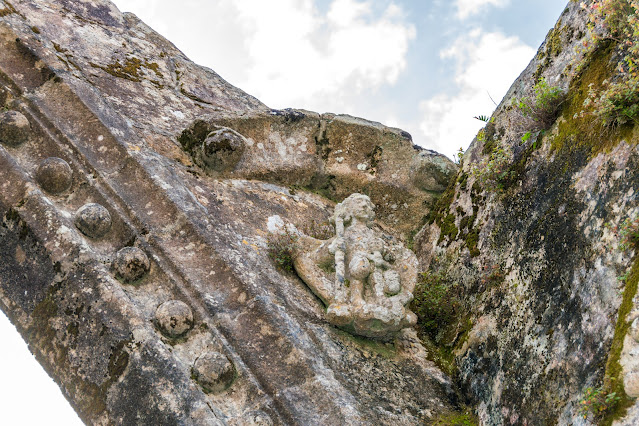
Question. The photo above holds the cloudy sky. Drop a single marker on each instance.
(426, 66)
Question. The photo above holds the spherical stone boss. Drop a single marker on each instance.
(93, 220)
(223, 149)
(54, 175)
(131, 264)
(214, 372)
(14, 128)
(174, 318)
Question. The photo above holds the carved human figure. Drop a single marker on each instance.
(363, 277)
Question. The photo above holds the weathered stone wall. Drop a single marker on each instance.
(532, 244)
(102, 103)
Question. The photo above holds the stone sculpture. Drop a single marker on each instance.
(131, 261)
(362, 276)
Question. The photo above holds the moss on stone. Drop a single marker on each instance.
(552, 48)
(194, 136)
(385, 350)
(579, 129)
(488, 136)
(465, 418)
(517, 168)
(323, 185)
(130, 70)
(8, 9)
(472, 239)
(440, 213)
(614, 373)
(462, 180)
(448, 228)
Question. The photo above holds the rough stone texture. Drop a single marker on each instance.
(114, 99)
(131, 264)
(335, 156)
(534, 250)
(14, 128)
(214, 372)
(364, 280)
(54, 175)
(174, 318)
(93, 220)
(222, 150)
(630, 363)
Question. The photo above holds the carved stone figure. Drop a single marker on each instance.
(362, 276)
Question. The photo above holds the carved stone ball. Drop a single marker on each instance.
(174, 318)
(131, 264)
(214, 372)
(54, 175)
(222, 150)
(14, 128)
(93, 220)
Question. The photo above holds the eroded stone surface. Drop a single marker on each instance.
(334, 155)
(364, 280)
(174, 318)
(131, 264)
(214, 372)
(222, 149)
(54, 175)
(629, 360)
(14, 128)
(93, 220)
(258, 418)
(533, 251)
(102, 89)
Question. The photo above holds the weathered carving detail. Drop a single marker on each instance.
(174, 318)
(222, 149)
(201, 227)
(54, 175)
(131, 264)
(214, 372)
(364, 278)
(14, 128)
(93, 220)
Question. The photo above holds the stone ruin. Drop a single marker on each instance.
(135, 189)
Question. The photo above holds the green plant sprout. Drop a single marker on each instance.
(542, 108)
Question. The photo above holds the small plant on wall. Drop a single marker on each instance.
(281, 249)
(542, 108)
(617, 22)
(597, 402)
(629, 233)
(437, 303)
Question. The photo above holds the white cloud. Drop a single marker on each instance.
(486, 63)
(466, 8)
(301, 58)
(287, 53)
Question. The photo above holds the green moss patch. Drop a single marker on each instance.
(385, 350)
(8, 9)
(614, 373)
(465, 418)
(579, 129)
(130, 70)
(552, 48)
